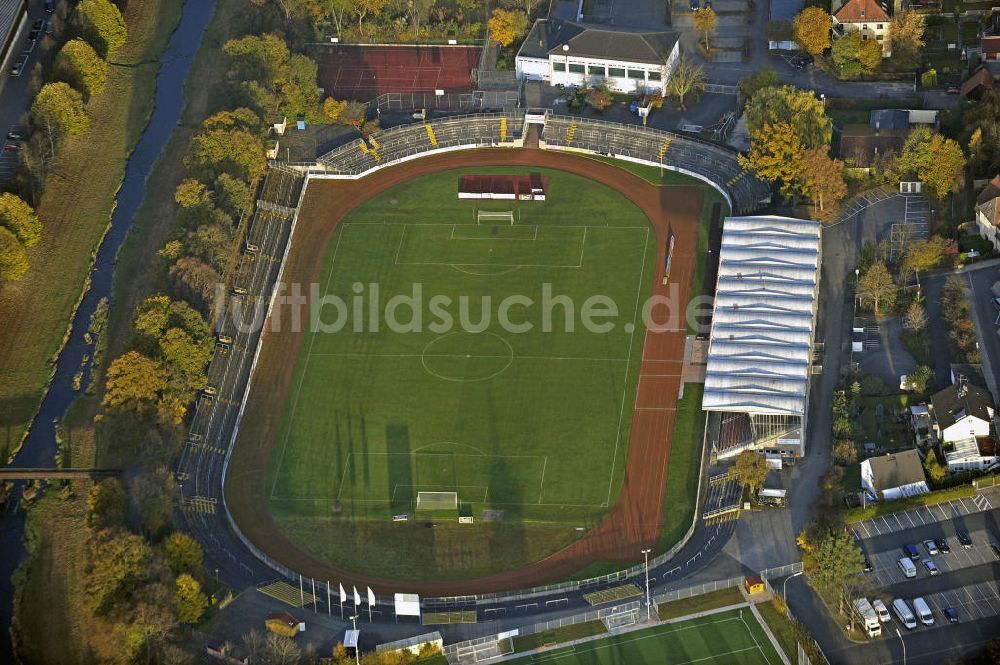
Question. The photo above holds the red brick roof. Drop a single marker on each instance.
(990, 45)
(861, 11)
(976, 81)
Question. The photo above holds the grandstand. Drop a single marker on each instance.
(708, 161)
(760, 350)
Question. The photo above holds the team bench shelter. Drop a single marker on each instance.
(510, 187)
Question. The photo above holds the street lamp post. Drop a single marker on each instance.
(649, 603)
(903, 642)
(357, 646)
(784, 597)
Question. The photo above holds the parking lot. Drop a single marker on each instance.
(922, 516)
(967, 576)
(886, 570)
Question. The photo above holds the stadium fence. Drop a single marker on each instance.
(470, 102)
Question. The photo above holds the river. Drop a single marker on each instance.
(40, 445)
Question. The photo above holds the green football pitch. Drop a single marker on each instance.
(534, 423)
(728, 638)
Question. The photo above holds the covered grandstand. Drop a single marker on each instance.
(760, 350)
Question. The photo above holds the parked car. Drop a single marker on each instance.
(953, 90)
(801, 61)
(11, 147)
(931, 567)
(911, 551)
(50, 6)
(904, 614)
(906, 565)
(931, 547)
(881, 610)
(942, 545)
(18, 67)
(923, 611)
(951, 614)
(868, 565)
(14, 135)
(964, 538)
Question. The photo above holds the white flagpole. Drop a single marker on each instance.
(329, 610)
(314, 594)
(371, 603)
(302, 596)
(343, 597)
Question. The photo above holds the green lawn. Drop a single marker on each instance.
(730, 638)
(533, 423)
(694, 604)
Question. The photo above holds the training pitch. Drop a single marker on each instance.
(728, 638)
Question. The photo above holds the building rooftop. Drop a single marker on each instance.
(971, 446)
(990, 191)
(554, 37)
(762, 324)
(889, 119)
(960, 400)
(861, 11)
(982, 78)
(896, 469)
(859, 144)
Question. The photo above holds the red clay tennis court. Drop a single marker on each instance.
(363, 72)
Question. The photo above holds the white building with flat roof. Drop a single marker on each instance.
(570, 54)
(763, 321)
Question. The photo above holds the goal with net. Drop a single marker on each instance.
(437, 500)
(495, 217)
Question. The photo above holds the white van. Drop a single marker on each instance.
(906, 565)
(881, 610)
(923, 611)
(904, 614)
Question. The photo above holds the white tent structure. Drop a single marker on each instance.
(763, 321)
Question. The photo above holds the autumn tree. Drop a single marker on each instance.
(812, 30)
(776, 156)
(191, 602)
(869, 55)
(915, 318)
(154, 492)
(101, 23)
(934, 160)
(507, 25)
(183, 552)
(134, 382)
(750, 469)
(364, 8)
(760, 79)
(920, 379)
(876, 288)
(238, 118)
(13, 257)
(79, 65)
(935, 470)
(705, 21)
(837, 560)
(687, 78)
(232, 195)
(929, 78)
(845, 452)
(906, 36)
(107, 505)
(823, 181)
(119, 563)
(788, 104)
(854, 55)
(332, 108)
(926, 254)
(58, 111)
(20, 219)
(354, 114)
(599, 97)
(237, 152)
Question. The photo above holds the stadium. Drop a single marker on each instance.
(364, 456)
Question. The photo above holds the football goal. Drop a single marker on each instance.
(495, 217)
(437, 500)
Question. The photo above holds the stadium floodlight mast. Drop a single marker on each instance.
(649, 604)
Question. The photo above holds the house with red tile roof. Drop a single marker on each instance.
(867, 17)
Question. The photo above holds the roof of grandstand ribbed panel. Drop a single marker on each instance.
(764, 315)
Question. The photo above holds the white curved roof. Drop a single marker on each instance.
(764, 316)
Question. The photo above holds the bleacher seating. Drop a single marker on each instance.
(715, 162)
(712, 161)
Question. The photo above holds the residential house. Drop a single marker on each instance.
(977, 84)
(867, 17)
(988, 212)
(861, 144)
(972, 453)
(960, 411)
(894, 476)
(570, 54)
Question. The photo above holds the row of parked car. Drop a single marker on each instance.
(875, 613)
